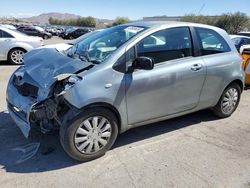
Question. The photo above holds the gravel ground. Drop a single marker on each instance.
(196, 150)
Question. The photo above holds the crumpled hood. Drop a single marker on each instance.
(59, 47)
(43, 65)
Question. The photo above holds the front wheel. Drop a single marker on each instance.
(90, 134)
(15, 56)
(228, 102)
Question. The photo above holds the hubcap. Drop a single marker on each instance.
(92, 134)
(17, 56)
(230, 101)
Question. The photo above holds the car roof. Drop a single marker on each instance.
(15, 33)
(153, 24)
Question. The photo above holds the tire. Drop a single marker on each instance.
(15, 56)
(71, 38)
(221, 111)
(71, 134)
(45, 37)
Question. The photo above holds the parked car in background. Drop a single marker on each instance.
(240, 40)
(55, 31)
(247, 34)
(8, 26)
(13, 45)
(66, 46)
(74, 33)
(247, 71)
(34, 31)
(123, 77)
(245, 52)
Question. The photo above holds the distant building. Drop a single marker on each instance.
(169, 18)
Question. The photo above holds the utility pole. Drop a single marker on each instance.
(202, 7)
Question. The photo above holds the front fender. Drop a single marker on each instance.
(101, 86)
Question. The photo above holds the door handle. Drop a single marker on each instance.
(196, 67)
(7, 40)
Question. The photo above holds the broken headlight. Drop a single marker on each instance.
(71, 81)
(64, 85)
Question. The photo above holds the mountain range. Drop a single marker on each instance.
(44, 18)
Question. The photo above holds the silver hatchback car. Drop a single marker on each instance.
(123, 77)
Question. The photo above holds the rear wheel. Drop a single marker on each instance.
(228, 102)
(15, 56)
(90, 135)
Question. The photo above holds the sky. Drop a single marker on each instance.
(133, 9)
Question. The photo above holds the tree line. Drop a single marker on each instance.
(82, 22)
(231, 22)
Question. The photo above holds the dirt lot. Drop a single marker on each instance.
(196, 150)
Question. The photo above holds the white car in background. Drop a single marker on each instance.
(240, 40)
(8, 26)
(65, 46)
(14, 44)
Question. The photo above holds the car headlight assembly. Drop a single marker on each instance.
(71, 81)
(66, 84)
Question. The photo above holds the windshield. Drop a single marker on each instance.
(39, 28)
(98, 47)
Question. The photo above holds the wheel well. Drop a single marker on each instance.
(16, 48)
(238, 82)
(111, 108)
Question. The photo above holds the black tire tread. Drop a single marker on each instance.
(217, 109)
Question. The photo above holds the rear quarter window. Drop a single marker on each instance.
(6, 35)
(211, 42)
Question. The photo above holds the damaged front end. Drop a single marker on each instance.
(49, 113)
(35, 93)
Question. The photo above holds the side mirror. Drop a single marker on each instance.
(144, 63)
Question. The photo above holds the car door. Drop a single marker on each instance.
(175, 83)
(77, 33)
(35, 32)
(216, 54)
(5, 41)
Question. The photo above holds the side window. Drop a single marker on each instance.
(30, 29)
(1, 34)
(211, 42)
(6, 35)
(165, 45)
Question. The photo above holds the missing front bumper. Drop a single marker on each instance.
(21, 123)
